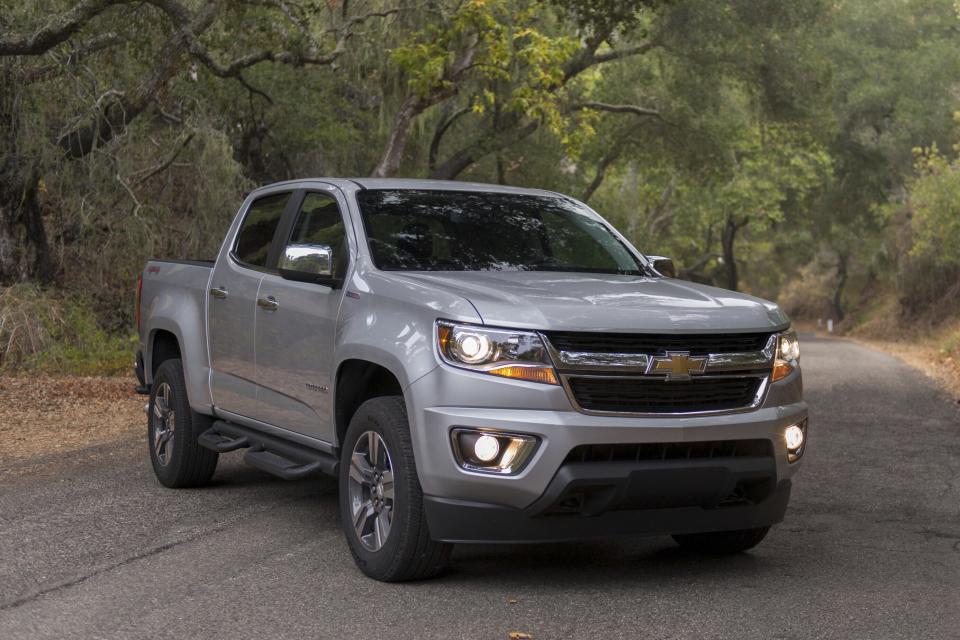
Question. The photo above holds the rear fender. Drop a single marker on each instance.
(180, 312)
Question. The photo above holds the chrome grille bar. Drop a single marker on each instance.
(640, 362)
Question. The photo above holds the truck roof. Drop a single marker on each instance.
(409, 183)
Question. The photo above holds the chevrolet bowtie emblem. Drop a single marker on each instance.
(677, 365)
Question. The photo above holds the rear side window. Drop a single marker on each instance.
(258, 228)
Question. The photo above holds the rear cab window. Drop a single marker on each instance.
(252, 247)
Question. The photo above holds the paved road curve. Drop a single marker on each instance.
(91, 546)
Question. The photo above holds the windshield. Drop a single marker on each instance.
(420, 230)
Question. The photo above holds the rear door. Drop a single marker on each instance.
(296, 325)
(231, 309)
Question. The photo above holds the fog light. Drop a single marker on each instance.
(492, 451)
(795, 436)
(486, 448)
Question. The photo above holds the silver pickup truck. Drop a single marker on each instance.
(475, 363)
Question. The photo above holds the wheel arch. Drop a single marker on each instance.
(165, 340)
(164, 345)
(357, 380)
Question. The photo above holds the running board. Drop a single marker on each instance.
(283, 458)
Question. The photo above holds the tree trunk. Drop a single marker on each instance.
(841, 283)
(727, 240)
(389, 163)
(415, 104)
(24, 250)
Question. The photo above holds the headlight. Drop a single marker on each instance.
(787, 356)
(500, 352)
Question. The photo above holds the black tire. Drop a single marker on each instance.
(185, 463)
(408, 552)
(722, 542)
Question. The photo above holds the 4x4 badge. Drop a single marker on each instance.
(677, 365)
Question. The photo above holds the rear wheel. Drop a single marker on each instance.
(172, 430)
(722, 542)
(381, 503)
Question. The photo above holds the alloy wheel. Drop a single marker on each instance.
(164, 424)
(371, 490)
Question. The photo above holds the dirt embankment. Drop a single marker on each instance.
(41, 415)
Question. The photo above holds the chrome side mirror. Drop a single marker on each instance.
(663, 266)
(308, 263)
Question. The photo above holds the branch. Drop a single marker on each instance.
(294, 58)
(53, 69)
(611, 156)
(616, 108)
(113, 118)
(442, 127)
(694, 269)
(480, 147)
(588, 57)
(152, 171)
(57, 30)
(602, 167)
(499, 137)
(619, 54)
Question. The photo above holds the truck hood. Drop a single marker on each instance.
(615, 303)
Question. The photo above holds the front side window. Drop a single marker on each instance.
(320, 222)
(258, 228)
(421, 230)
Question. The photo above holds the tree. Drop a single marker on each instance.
(176, 39)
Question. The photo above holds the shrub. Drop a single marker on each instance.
(48, 332)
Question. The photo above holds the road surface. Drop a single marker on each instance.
(92, 547)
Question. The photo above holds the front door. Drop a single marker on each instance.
(231, 309)
(296, 327)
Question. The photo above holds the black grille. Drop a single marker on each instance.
(696, 344)
(657, 395)
(670, 451)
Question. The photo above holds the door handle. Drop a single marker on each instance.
(218, 292)
(268, 304)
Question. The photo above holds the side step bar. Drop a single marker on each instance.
(288, 460)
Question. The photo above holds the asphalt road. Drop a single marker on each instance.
(92, 547)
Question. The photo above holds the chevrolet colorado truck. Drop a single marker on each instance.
(474, 363)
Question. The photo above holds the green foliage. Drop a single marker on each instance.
(934, 200)
(776, 137)
(41, 331)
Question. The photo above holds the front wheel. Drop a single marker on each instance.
(381, 503)
(722, 542)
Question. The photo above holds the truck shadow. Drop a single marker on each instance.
(630, 560)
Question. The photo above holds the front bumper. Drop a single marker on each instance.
(464, 505)
(464, 521)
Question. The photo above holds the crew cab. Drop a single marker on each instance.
(474, 363)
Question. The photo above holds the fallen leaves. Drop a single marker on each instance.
(41, 415)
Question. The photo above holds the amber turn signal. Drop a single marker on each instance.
(781, 369)
(533, 374)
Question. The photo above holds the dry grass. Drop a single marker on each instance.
(44, 415)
